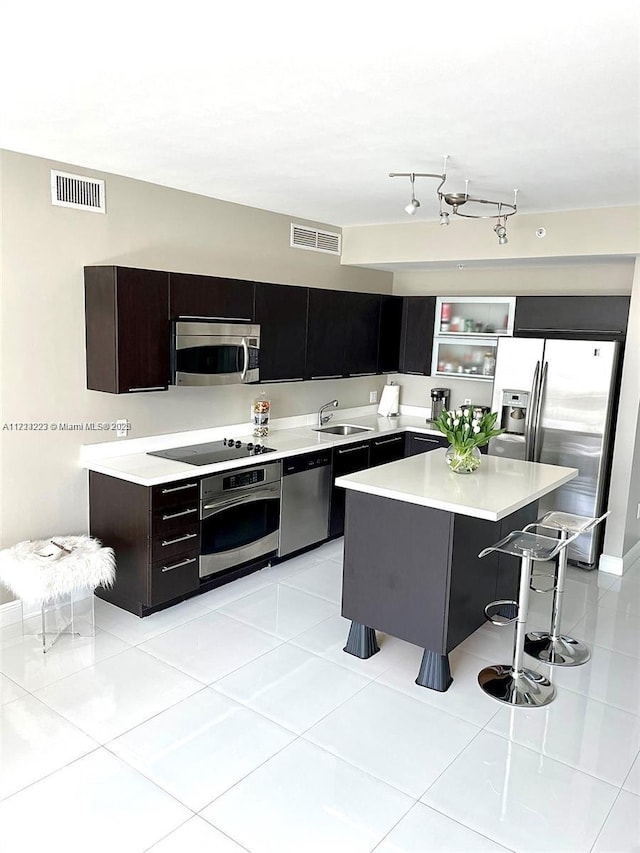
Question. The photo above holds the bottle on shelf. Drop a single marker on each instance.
(445, 317)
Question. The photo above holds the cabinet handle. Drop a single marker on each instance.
(389, 440)
(414, 372)
(572, 331)
(331, 376)
(353, 449)
(372, 373)
(275, 381)
(177, 565)
(201, 317)
(179, 539)
(179, 488)
(428, 440)
(150, 388)
(179, 514)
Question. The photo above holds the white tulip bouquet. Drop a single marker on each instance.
(465, 433)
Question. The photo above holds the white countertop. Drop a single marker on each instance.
(148, 470)
(498, 488)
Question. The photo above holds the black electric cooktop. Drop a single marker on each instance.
(215, 451)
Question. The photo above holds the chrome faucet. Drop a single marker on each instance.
(323, 419)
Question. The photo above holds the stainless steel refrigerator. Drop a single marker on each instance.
(555, 398)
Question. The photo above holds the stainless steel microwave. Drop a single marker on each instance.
(210, 352)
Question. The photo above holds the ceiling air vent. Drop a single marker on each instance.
(77, 191)
(318, 241)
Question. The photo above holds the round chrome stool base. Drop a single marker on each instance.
(563, 651)
(528, 688)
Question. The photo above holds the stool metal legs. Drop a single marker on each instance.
(514, 684)
(552, 647)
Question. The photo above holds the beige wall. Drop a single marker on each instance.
(611, 276)
(570, 234)
(623, 527)
(44, 250)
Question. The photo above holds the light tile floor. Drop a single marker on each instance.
(235, 722)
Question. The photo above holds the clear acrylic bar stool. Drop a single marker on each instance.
(512, 683)
(553, 647)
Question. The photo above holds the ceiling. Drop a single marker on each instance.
(305, 108)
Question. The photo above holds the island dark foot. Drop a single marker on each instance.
(361, 641)
(435, 672)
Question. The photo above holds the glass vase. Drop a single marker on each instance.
(463, 460)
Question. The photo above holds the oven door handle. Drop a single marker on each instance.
(213, 509)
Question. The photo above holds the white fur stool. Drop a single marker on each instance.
(48, 573)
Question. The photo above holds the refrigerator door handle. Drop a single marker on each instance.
(538, 414)
(529, 427)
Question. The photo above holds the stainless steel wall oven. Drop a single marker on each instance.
(239, 517)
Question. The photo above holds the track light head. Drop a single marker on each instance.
(413, 205)
(501, 231)
(444, 217)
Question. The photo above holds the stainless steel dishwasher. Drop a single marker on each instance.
(306, 490)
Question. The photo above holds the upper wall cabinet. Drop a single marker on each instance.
(127, 329)
(475, 315)
(390, 333)
(572, 316)
(418, 315)
(362, 334)
(281, 311)
(209, 296)
(326, 330)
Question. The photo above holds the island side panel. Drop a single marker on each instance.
(396, 568)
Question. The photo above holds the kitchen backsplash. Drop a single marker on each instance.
(416, 390)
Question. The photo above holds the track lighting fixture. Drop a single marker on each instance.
(501, 209)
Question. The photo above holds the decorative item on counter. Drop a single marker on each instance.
(445, 317)
(260, 410)
(465, 434)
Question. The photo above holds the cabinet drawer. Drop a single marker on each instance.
(173, 578)
(171, 521)
(183, 492)
(185, 540)
(417, 443)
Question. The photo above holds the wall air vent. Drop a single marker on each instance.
(315, 240)
(77, 191)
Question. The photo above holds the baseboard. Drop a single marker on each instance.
(619, 565)
(10, 613)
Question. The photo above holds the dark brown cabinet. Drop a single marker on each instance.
(326, 330)
(127, 329)
(210, 296)
(390, 333)
(386, 449)
(572, 316)
(346, 460)
(155, 533)
(281, 311)
(418, 317)
(362, 334)
(417, 442)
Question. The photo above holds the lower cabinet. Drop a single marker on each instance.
(155, 533)
(346, 460)
(387, 449)
(417, 442)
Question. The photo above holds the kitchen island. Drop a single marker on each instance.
(412, 535)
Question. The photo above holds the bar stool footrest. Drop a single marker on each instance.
(502, 612)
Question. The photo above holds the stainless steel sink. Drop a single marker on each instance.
(343, 429)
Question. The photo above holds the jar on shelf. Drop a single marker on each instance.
(261, 410)
(488, 364)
